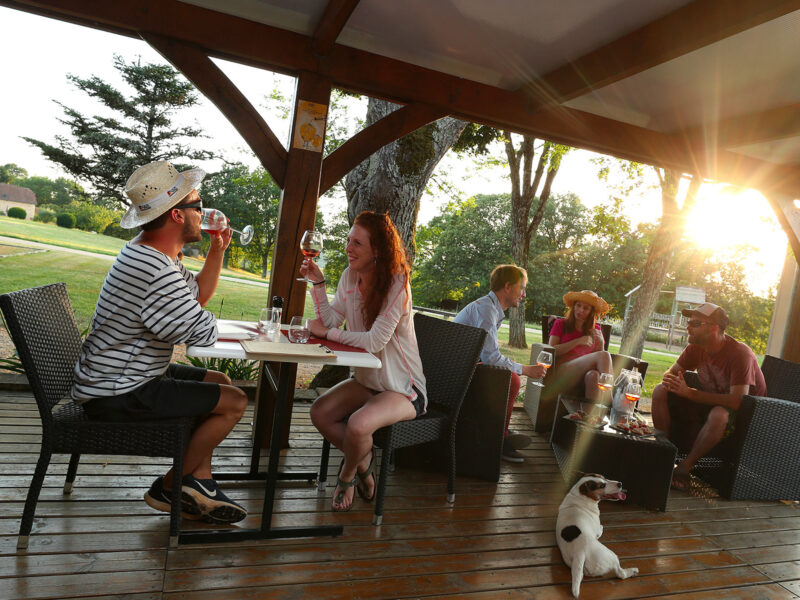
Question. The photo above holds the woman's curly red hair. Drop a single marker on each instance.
(391, 259)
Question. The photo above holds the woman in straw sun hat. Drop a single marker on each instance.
(578, 342)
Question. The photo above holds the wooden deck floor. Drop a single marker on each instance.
(496, 541)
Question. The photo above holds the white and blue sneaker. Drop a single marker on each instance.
(161, 499)
(208, 500)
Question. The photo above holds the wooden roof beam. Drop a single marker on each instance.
(693, 26)
(330, 25)
(215, 85)
(763, 126)
(370, 139)
(259, 45)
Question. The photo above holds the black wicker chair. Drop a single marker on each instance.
(449, 353)
(761, 459)
(42, 326)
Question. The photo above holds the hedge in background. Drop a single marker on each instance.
(65, 220)
(45, 216)
(16, 212)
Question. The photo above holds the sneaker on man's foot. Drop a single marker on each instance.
(210, 501)
(161, 499)
(510, 454)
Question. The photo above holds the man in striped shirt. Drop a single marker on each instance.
(148, 303)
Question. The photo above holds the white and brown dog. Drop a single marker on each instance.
(578, 530)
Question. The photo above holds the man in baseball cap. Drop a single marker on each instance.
(700, 408)
(148, 303)
(709, 311)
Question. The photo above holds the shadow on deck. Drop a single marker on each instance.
(496, 541)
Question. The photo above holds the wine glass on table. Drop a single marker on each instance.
(605, 382)
(215, 220)
(311, 247)
(633, 391)
(545, 359)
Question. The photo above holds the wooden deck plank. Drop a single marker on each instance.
(496, 541)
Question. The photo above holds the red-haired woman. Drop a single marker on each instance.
(374, 298)
(578, 342)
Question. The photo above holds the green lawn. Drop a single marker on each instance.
(50, 233)
(84, 276)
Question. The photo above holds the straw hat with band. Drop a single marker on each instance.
(155, 188)
(601, 307)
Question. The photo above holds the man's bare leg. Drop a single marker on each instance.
(209, 433)
(710, 435)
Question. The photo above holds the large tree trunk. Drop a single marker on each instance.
(668, 235)
(393, 179)
(524, 183)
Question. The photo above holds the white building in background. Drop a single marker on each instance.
(13, 195)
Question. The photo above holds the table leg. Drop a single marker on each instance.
(272, 475)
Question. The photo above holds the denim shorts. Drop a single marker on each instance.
(180, 392)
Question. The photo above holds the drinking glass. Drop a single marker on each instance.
(311, 247)
(633, 391)
(545, 359)
(298, 330)
(270, 321)
(215, 220)
(605, 382)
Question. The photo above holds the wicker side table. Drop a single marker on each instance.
(644, 465)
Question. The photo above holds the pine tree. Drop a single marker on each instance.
(104, 150)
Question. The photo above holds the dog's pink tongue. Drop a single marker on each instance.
(620, 495)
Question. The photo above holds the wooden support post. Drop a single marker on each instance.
(297, 211)
(789, 216)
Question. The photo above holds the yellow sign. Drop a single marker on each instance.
(309, 131)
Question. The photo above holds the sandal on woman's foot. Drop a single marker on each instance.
(361, 486)
(338, 498)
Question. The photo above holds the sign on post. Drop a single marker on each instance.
(690, 295)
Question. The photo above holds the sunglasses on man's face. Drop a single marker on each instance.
(196, 204)
(697, 323)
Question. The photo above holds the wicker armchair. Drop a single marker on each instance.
(42, 326)
(449, 353)
(761, 459)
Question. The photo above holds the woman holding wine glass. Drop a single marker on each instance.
(578, 343)
(374, 298)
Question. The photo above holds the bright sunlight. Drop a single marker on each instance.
(724, 219)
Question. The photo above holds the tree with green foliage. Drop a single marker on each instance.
(525, 181)
(103, 151)
(458, 249)
(9, 173)
(61, 191)
(667, 237)
(335, 235)
(247, 198)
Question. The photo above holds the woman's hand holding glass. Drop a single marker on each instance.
(311, 271)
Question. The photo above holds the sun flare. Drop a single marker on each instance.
(725, 218)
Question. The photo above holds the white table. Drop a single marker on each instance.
(280, 385)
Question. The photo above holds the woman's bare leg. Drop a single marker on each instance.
(579, 368)
(367, 413)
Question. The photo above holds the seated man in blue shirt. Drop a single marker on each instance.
(507, 283)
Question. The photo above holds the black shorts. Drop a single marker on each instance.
(180, 392)
(418, 402)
